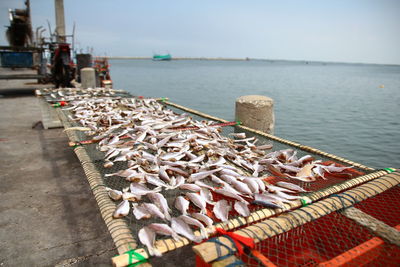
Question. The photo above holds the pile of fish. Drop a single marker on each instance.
(207, 169)
(71, 94)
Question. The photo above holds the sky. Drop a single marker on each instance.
(364, 31)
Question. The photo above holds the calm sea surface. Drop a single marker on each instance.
(338, 108)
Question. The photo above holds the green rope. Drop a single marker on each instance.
(389, 170)
(139, 259)
(303, 202)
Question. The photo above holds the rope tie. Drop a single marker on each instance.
(139, 259)
(238, 241)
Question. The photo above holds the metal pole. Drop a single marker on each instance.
(60, 20)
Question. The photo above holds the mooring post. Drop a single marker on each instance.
(256, 111)
(60, 20)
(88, 78)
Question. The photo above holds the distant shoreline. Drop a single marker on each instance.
(249, 59)
(191, 58)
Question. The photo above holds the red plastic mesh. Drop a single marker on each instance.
(384, 207)
(331, 178)
(333, 240)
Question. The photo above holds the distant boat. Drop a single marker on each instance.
(158, 57)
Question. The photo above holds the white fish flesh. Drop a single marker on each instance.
(238, 135)
(153, 210)
(202, 184)
(161, 202)
(122, 209)
(230, 194)
(164, 229)
(192, 221)
(242, 187)
(241, 208)
(147, 237)
(290, 186)
(204, 218)
(182, 204)
(198, 200)
(191, 187)
(115, 194)
(201, 175)
(140, 212)
(207, 196)
(139, 189)
(333, 168)
(252, 184)
(221, 210)
(183, 229)
(272, 189)
(286, 196)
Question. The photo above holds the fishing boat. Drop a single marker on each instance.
(159, 57)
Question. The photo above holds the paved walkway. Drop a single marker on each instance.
(48, 215)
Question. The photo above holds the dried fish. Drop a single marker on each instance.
(182, 228)
(221, 210)
(182, 204)
(192, 221)
(161, 202)
(198, 200)
(291, 186)
(122, 209)
(163, 229)
(204, 218)
(241, 208)
(147, 238)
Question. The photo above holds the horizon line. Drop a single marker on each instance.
(247, 59)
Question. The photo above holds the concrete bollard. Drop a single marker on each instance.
(256, 111)
(88, 78)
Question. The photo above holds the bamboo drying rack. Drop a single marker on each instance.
(285, 222)
(120, 231)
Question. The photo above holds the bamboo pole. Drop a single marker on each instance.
(381, 229)
(118, 228)
(275, 138)
(285, 222)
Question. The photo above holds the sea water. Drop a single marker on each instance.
(351, 110)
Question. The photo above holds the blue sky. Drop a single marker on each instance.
(366, 31)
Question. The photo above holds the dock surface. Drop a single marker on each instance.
(48, 216)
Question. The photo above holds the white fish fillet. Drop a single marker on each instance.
(147, 238)
(195, 222)
(183, 229)
(241, 208)
(182, 204)
(221, 210)
(122, 209)
(161, 202)
(164, 229)
(204, 218)
(198, 200)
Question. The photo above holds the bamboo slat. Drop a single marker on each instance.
(379, 228)
(285, 222)
(275, 138)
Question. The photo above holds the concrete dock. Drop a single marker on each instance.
(48, 216)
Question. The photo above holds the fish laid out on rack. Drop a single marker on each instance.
(214, 176)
